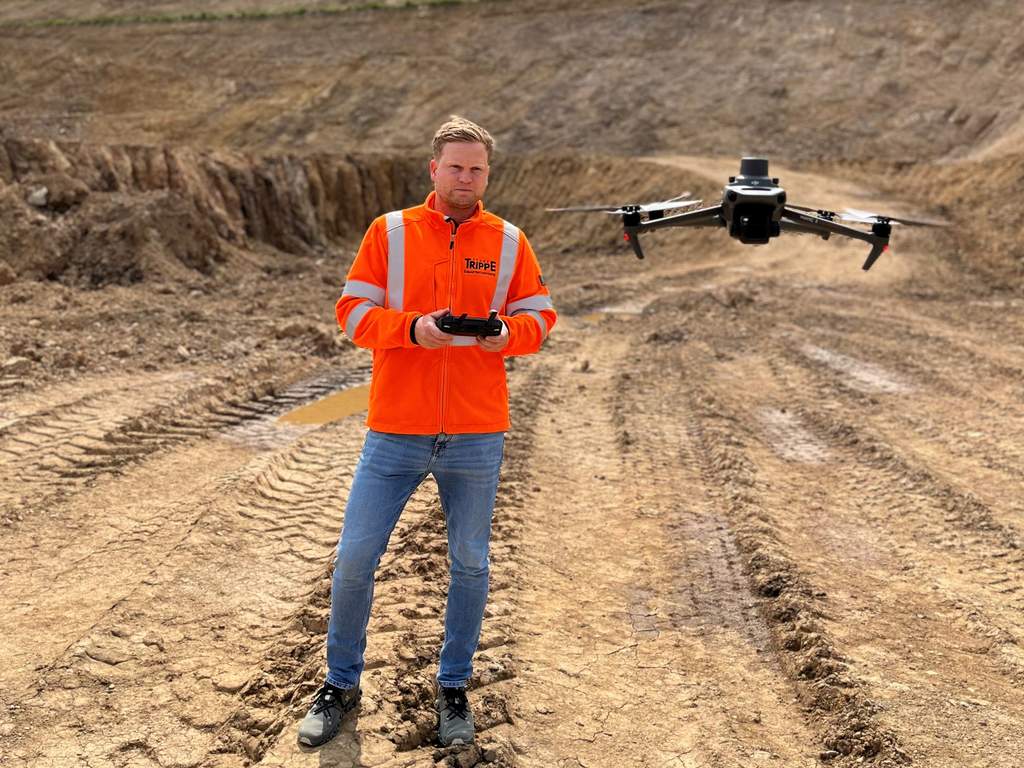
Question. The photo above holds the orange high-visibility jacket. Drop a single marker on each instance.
(416, 261)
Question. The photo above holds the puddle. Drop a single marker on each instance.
(335, 406)
(788, 438)
(863, 376)
(301, 408)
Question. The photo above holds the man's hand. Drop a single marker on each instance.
(494, 343)
(428, 335)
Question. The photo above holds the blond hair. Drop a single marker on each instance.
(460, 129)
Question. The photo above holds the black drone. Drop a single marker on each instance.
(754, 210)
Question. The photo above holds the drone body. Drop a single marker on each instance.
(754, 210)
(752, 203)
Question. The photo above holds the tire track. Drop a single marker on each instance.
(205, 624)
(845, 351)
(228, 618)
(48, 452)
(925, 508)
(644, 644)
(790, 603)
(858, 543)
(396, 715)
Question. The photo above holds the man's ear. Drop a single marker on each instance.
(433, 168)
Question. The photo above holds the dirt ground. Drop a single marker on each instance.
(758, 507)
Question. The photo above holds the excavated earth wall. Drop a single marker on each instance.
(92, 215)
(189, 202)
(980, 196)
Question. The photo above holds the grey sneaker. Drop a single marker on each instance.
(454, 718)
(323, 720)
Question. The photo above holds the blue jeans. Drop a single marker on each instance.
(390, 468)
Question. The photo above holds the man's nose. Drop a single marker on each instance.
(465, 176)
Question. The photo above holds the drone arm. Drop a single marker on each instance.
(804, 229)
(633, 225)
(801, 221)
(812, 223)
(702, 217)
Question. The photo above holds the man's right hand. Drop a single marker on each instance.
(428, 335)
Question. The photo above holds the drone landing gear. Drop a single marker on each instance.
(631, 224)
(880, 229)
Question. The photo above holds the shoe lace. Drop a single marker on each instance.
(325, 698)
(456, 703)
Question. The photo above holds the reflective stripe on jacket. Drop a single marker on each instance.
(416, 261)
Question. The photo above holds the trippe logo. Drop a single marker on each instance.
(476, 267)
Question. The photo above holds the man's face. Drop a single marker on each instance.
(460, 174)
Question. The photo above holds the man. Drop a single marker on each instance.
(438, 405)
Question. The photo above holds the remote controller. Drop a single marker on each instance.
(463, 325)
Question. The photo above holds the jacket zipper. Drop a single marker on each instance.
(451, 288)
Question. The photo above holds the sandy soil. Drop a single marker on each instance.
(758, 507)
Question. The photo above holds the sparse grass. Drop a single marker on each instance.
(214, 16)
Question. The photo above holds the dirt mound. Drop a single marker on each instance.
(128, 241)
(26, 245)
(111, 239)
(293, 203)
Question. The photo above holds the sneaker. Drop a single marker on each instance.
(454, 719)
(323, 720)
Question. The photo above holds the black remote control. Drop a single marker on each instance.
(463, 325)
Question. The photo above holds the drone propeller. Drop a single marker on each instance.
(866, 217)
(664, 205)
(680, 201)
(856, 216)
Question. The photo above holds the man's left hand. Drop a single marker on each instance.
(494, 343)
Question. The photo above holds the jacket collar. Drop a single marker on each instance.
(437, 218)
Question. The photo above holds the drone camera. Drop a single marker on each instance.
(752, 223)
